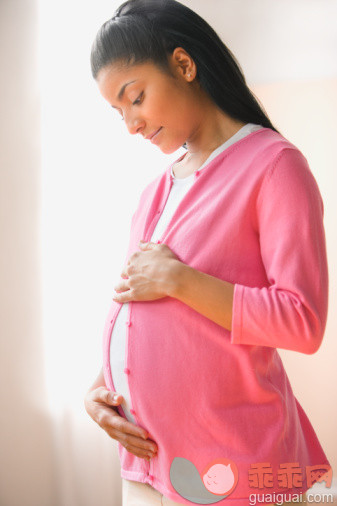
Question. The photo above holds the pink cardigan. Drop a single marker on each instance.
(253, 217)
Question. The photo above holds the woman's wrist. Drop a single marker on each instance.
(175, 271)
(208, 295)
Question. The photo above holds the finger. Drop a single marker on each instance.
(147, 245)
(139, 452)
(123, 425)
(127, 434)
(119, 428)
(105, 396)
(124, 273)
(136, 446)
(122, 287)
(130, 435)
(148, 447)
(124, 296)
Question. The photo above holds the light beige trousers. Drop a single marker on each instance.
(142, 494)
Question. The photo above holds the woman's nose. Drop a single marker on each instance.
(134, 124)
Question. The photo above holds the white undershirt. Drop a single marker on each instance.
(179, 188)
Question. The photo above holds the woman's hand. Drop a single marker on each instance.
(148, 274)
(100, 405)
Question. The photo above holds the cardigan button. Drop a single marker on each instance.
(132, 411)
(128, 323)
(127, 371)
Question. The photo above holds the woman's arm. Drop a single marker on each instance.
(291, 312)
(208, 295)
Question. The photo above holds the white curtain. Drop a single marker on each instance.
(91, 184)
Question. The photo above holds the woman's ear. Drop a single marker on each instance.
(183, 64)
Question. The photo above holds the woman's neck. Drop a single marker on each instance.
(214, 128)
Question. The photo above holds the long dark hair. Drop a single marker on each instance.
(150, 30)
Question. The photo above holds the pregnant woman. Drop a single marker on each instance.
(226, 263)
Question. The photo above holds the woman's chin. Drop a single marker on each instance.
(167, 150)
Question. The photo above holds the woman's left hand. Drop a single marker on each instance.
(148, 274)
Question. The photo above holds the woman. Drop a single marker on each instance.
(233, 267)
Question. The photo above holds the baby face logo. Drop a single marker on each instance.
(220, 476)
(216, 481)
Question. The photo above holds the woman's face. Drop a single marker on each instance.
(166, 109)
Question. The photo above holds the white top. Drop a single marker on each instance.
(179, 188)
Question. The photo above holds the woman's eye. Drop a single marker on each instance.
(138, 100)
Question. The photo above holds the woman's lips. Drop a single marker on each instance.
(152, 139)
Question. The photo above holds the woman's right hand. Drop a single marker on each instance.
(100, 405)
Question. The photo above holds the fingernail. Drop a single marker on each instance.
(115, 397)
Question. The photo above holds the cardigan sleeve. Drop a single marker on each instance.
(291, 312)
